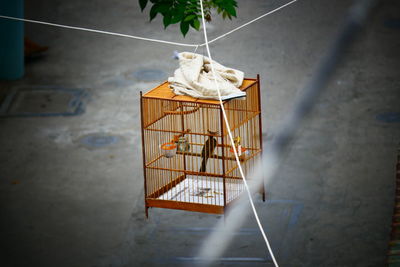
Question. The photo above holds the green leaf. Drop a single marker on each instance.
(167, 20)
(163, 8)
(153, 12)
(231, 10)
(187, 12)
(184, 27)
(177, 15)
(190, 17)
(143, 4)
(175, 19)
(196, 24)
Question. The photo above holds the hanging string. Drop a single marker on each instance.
(99, 31)
(145, 38)
(250, 22)
(232, 141)
(195, 49)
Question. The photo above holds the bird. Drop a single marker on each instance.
(208, 150)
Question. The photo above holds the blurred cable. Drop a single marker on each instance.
(217, 242)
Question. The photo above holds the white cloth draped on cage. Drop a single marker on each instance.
(194, 78)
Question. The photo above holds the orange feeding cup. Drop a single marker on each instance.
(169, 149)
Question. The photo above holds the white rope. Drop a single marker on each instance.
(250, 22)
(99, 31)
(144, 38)
(232, 142)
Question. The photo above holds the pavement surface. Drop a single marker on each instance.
(71, 187)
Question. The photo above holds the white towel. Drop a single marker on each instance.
(194, 78)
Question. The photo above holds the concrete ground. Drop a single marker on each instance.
(71, 187)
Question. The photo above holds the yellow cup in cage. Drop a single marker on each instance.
(169, 149)
(242, 152)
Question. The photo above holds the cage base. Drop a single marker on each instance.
(202, 194)
(178, 205)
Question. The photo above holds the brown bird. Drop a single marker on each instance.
(208, 150)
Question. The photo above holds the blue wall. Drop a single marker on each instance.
(11, 40)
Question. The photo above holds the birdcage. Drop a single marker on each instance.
(188, 160)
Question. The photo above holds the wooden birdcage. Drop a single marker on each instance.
(188, 160)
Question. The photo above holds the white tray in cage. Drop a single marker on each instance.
(204, 190)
